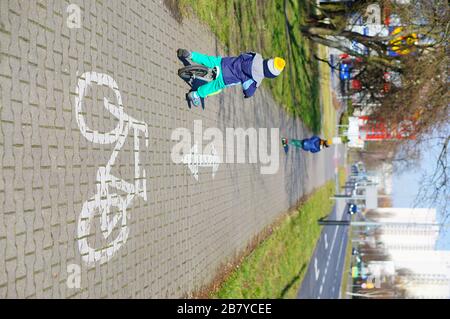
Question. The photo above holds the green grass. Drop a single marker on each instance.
(349, 112)
(328, 107)
(342, 173)
(277, 266)
(348, 251)
(347, 263)
(249, 25)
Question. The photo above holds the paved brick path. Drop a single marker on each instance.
(185, 229)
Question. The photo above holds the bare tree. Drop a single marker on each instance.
(429, 18)
(417, 105)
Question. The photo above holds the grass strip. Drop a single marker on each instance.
(276, 267)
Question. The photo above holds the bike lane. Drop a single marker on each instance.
(167, 242)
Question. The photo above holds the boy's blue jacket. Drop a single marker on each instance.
(311, 144)
(245, 69)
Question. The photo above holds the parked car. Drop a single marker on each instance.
(344, 71)
(352, 209)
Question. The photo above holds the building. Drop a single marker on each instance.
(426, 272)
(408, 236)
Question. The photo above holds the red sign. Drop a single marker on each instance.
(373, 130)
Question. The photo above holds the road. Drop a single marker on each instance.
(324, 274)
(58, 168)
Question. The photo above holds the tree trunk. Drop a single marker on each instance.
(379, 61)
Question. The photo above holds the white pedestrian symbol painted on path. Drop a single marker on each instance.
(194, 160)
(103, 200)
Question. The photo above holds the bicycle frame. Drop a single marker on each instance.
(103, 199)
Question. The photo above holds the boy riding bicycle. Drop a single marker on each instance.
(248, 69)
(313, 144)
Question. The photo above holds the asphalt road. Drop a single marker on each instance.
(323, 277)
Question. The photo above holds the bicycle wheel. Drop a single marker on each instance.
(194, 72)
(92, 255)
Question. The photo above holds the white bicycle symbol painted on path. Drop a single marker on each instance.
(104, 200)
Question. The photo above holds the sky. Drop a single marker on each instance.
(406, 186)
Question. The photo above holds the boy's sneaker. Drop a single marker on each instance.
(183, 54)
(194, 98)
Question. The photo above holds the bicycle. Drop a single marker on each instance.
(196, 75)
(104, 200)
(193, 72)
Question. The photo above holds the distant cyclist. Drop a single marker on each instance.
(313, 144)
(247, 69)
